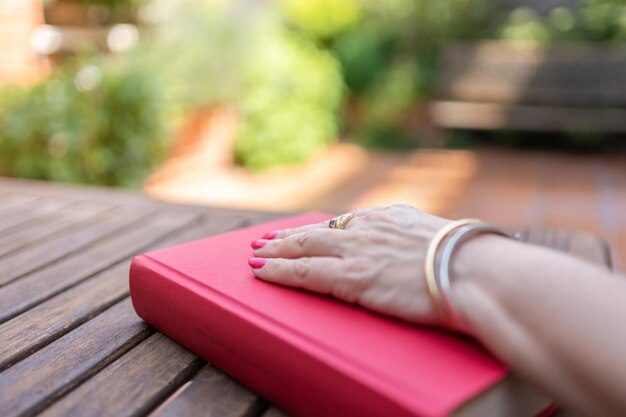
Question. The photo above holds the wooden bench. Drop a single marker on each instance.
(71, 344)
(568, 87)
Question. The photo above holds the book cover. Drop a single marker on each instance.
(310, 354)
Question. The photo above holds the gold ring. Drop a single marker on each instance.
(340, 222)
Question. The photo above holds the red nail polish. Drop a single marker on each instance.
(271, 235)
(257, 263)
(258, 244)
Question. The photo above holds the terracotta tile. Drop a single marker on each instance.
(574, 208)
(502, 186)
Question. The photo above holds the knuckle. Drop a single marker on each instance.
(301, 240)
(343, 248)
(401, 206)
(361, 239)
(302, 270)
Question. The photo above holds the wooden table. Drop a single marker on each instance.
(70, 342)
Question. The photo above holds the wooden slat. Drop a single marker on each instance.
(30, 331)
(569, 74)
(45, 283)
(479, 115)
(212, 394)
(9, 200)
(22, 214)
(68, 310)
(47, 226)
(77, 192)
(21, 263)
(59, 315)
(134, 384)
(29, 385)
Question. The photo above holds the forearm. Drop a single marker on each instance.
(556, 320)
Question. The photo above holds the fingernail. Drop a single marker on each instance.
(257, 263)
(271, 235)
(258, 244)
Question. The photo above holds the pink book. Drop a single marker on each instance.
(310, 354)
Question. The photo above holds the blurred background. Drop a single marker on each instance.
(509, 110)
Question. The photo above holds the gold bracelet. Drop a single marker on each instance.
(430, 270)
(437, 268)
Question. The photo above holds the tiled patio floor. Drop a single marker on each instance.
(502, 186)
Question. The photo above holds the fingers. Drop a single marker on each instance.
(311, 242)
(319, 274)
(281, 234)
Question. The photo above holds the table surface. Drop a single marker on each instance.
(70, 342)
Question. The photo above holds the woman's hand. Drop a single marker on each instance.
(377, 261)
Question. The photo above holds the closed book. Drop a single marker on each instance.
(310, 354)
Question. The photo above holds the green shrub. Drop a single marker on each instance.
(390, 58)
(321, 19)
(96, 123)
(593, 20)
(286, 89)
(289, 104)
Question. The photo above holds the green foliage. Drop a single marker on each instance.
(284, 66)
(96, 123)
(388, 99)
(390, 58)
(321, 19)
(197, 49)
(285, 88)
(116, 4)
(604, 19)
(594, 20)
(289, 103)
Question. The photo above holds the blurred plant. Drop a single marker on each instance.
(390, 58)
(286, 90)
(321, 19)
(115, 3)
(604, 19)
(593, 20)
(289, 103)
(524, 24)
(94, 122)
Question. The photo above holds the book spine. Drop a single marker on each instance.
(281, 372)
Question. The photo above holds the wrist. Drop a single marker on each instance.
(478, 274)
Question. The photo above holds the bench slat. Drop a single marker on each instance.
(560, 74)
(480, 115)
